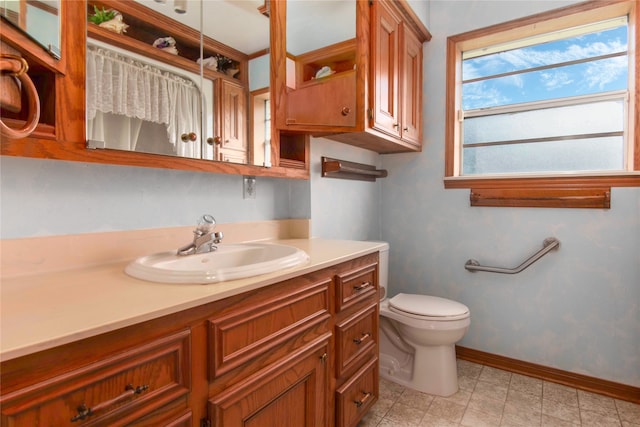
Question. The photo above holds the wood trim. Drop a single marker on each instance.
(412, 19)
(624, 180)
(542, 198)
(579, 381)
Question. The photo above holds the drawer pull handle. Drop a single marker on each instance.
(362, 338)
(323, 358)
(85, 412)
(362, 286)
(365, 397)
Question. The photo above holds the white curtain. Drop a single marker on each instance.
(133, 91)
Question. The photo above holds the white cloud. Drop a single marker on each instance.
(556, 79)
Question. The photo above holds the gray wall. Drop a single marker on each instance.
(578, 308)
(45, 197)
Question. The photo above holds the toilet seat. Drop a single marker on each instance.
(427, 307)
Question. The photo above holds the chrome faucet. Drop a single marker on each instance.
(204, 238)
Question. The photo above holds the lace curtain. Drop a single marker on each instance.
(131, 89)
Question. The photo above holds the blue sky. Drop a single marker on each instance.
(579, 79)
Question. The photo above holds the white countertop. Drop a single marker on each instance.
(46, 310)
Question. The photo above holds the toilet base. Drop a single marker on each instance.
(434, 370)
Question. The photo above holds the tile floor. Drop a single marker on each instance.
(493, 397)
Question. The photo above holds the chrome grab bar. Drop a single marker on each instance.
(548, 245)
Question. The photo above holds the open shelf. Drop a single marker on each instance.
(146, 25)
(340, 57)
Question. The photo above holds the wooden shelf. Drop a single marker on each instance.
(146, 25)
(340, 57)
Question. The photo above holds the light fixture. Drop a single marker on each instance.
(180, 6)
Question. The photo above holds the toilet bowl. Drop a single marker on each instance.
(417, 338)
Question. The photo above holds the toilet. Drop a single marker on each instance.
(417, 338)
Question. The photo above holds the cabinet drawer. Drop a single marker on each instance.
(241, 335)
(356, 285)
(356, 338)
(113, 391)
(357, 395)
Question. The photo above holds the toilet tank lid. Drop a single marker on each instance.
(425, 305)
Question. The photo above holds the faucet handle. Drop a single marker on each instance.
(206, 224)
(217, 236)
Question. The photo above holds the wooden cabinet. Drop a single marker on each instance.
(59, 84)
(61, 131)
(357, 395)
(114, 390)
(397, 77)
(327, 101)
(411, 87)
(231, 121)
(290, 393)
(301, 352)
(374, 98)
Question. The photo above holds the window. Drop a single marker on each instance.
(547, 101)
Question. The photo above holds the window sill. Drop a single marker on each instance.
(544, 192)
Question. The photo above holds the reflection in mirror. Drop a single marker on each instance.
(39, 19)
(314, 24)
(142, 106)
(164, 93)
(321, 58)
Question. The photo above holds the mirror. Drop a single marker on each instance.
(171, 96)
(321, 58)
(39, 19)
(314, 24)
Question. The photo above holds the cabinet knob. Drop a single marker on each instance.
(186, 137)
(396, 125)
(405, 129)
(345, 111)
(215, 140)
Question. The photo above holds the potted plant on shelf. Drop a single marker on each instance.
(110, 19)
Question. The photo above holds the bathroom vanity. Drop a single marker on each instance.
(92, 346)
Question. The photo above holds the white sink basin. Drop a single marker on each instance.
(229, 262)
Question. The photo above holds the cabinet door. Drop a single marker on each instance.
(384, 51)
(233, 126)
(411, 81)
(289, 393)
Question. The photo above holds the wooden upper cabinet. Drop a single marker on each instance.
(411, 94)
(373, 99)
(231, 119)
(397, 78)
(385, 54)
(59, 84)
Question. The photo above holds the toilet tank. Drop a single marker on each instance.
(383, 270)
